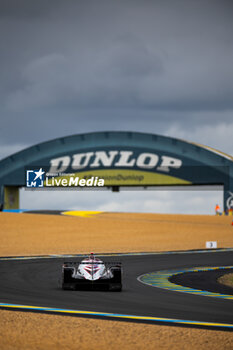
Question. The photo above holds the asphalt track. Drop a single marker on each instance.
(36, 282)
(204, 280)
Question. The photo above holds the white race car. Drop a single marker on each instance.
(91, 273)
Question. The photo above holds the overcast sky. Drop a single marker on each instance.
(70, 66)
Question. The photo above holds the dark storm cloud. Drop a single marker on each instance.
(24, 9)
(77, 66)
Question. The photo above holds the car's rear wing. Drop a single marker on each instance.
(76, 263)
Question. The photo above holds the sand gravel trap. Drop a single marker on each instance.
(39, 332)
(28, 234)
(226, 279)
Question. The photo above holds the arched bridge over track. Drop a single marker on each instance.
(121, 159)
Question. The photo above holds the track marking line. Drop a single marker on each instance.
(119, 316)
(84, 214)
(53, 256)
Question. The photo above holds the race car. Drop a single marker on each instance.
(92, 273)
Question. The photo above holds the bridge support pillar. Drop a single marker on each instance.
(11, 197)
(228, 194)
